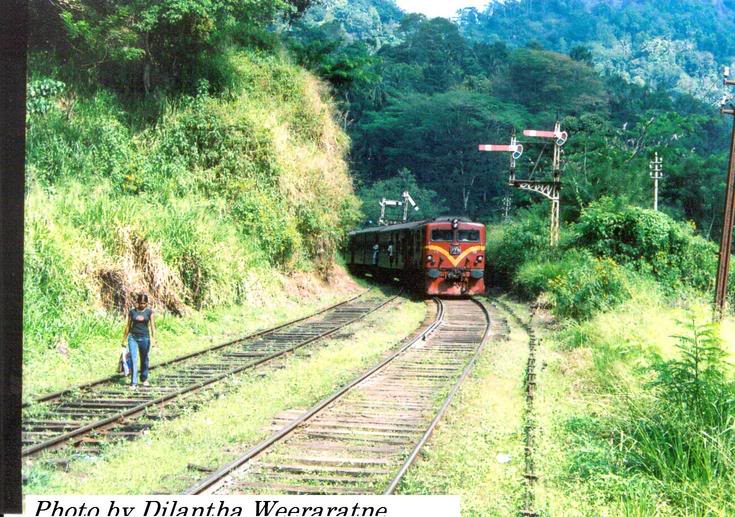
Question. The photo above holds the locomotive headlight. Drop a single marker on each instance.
(479, 259)
(429, 258)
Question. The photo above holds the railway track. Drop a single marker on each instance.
(107, 410)
(363, 438)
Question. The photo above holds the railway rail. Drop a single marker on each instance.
(530, 427)
(106, 410)
(363, 438)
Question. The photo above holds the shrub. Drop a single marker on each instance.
(41, 94)
(649, 242)
(512, 245)
(265, 219)
(85, 142)
(536, 276)
(591, 286)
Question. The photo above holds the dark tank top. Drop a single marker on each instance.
(140, 320)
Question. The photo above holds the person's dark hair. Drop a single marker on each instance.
(141, 298)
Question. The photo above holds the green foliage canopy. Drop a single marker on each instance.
(141, 45)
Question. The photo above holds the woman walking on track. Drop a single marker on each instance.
(140, 335)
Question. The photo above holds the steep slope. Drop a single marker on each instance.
(211, 202)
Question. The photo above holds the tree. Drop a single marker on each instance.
(345, 66)
(140, 45)
(436, 136)
(583, 54)
(436, 48)
(549, 82)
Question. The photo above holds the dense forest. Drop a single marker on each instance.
(419, 94)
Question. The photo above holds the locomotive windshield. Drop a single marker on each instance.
(462, 235)
(441, 235)
(468, 236)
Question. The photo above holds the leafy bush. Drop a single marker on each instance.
(266, 219)
(591, 286)
(85, 141)
(649, 242)
(41, 93)
(511, 246)
(579, 283)
(535, 277)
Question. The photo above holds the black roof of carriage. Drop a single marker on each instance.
(412, 225)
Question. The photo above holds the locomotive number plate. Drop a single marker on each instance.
(455, 250)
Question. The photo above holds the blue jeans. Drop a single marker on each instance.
(137, 345)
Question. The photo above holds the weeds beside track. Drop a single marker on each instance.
(529, 428)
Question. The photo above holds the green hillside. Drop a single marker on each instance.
(207, 194)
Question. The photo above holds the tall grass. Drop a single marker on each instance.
(658, 436)
(684, 433)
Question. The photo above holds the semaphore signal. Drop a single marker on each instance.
(549, 189)
(407, 200)
(560, 136)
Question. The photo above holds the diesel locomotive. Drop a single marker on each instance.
(442, 256)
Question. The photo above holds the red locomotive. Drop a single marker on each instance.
(442, 256)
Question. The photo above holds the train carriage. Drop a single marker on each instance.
(442, 256)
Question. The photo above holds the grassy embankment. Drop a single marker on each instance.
(229, 425)
(614, 441)
(227, 208)
(636, 403)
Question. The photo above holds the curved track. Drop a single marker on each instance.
(363, 438)
(106, 409)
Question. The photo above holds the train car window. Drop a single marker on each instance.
(441, 235)
(468, 235)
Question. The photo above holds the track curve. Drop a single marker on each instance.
(363, 438)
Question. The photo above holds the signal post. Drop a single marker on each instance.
(550, 189)
(407, 200)
(656, 167)
(507, 203)
(723, 265)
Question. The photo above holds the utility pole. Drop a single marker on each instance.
(656, 172)
(14, 28)
(506, 207)
(549, 189)
(723, 266)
